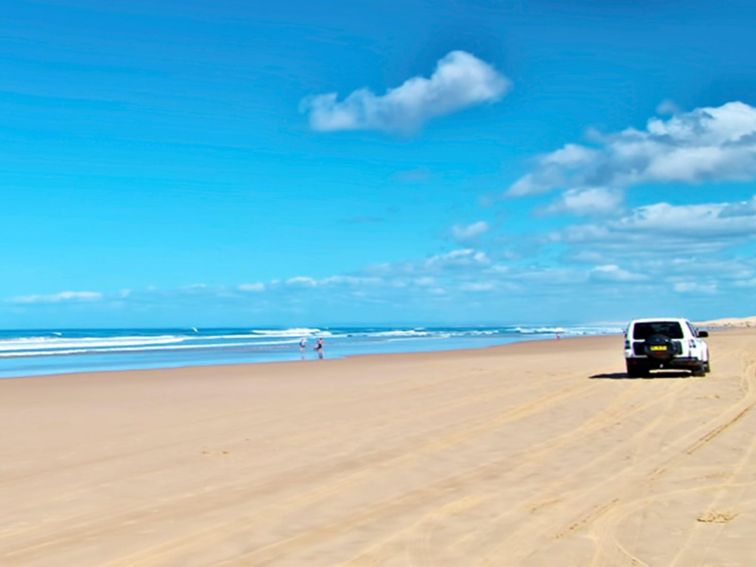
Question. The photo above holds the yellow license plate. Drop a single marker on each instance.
(658, 348)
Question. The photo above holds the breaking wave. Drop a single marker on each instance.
(51, 351)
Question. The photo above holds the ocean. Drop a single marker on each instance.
(42, 352)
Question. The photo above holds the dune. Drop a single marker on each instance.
(731, 322)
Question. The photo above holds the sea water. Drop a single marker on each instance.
(40, 352)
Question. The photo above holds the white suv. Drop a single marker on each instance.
(651, 344)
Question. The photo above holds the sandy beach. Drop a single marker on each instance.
(538, 453)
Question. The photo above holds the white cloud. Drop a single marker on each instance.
(590, 201)
(695, 221)
(613, 273)
(61, 297)
(424, 281)
(344, 280)
(549, 276)
(252, 287)
(348, 280)
(478, 286)
(570, 155)
(302, 281)
(462, 258)
(695, 287)
(739, 209)
(685, 229)
(667, 107)
(465, 233)
(713, 143)
(459, 80)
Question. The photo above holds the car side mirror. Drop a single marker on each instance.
(703, 334)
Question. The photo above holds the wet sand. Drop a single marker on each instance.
(539, 453)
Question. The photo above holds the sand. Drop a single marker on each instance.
(537, 454)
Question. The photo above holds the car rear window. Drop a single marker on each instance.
(671, 329)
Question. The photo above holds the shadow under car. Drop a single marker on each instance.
(665, 375)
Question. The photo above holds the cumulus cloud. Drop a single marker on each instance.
(717, 219)
(465, 233)
(424, 281)
(462, 258)
(252, 287)
(302, 281)
(61, 297)
(460, 80)
(695, 287)
(478, 286)
(337, 280)
(736, 220)
(660, 227)
(613, 273)
(667, 107)
(707, 144)
(348, 280)
(739, 209)
(589, 201)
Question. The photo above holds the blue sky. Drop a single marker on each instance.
(248, 163)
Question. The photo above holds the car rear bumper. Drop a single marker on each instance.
(676, 362)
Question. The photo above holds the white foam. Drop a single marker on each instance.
(146, 348)
(294, 332)
(568, 330)
(400, 333)
(538, 330)
(475, 333)
(38, 343)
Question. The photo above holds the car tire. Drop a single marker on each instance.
(636, 369)
(707, 366)
(700, 371)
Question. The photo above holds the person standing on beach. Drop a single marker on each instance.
(302, 346)
(319, 348)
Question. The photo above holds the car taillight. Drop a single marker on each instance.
(691, 343)
(627, 344)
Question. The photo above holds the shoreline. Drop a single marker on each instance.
(724, 328)
(530, 453)
(270, 363)
(299, 361)
(28, 354)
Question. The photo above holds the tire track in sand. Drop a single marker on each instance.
(613, 552)
(456, 403)
(230, 495)
(418, 551)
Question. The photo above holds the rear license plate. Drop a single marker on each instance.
(658, 348)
